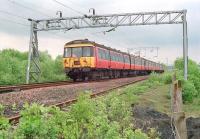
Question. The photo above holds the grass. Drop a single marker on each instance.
(146, 93)
(193, 109)
(157, 96)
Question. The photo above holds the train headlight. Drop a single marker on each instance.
(65, 61)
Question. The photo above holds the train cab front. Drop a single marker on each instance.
(78, 60)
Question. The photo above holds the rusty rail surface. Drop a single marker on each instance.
(15, 119)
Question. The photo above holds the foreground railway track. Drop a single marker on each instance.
(32, 86)
(11, 88)
(20, 87)
(15, 119)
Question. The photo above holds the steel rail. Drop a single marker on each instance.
(15, 119)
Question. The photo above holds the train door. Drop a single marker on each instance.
(132, 62)
(102, 58)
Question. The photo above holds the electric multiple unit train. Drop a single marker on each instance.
(85, 60)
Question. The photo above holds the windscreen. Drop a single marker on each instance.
(78, 52)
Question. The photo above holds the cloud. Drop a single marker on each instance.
(13, 41)
(167, 37)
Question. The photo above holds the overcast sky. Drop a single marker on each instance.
(167, 37)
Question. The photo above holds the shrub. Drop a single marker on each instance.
(108, 117)
(164, 78)
(167, 78)
(191, 88)
(189, 91)
(1, 109)
(13, 67)
(4, 124)
(33, 124)
(4, 128)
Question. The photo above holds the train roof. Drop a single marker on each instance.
(94, 43)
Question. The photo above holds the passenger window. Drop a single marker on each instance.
(117, 57)
(99, 53)
(127, 60)
(138, 61)
(67, 52)
(120, 58)
(87, 51)
(107, 55)
(103, 54)
(111, 55)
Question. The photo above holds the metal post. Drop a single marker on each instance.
(29, 54)
(33, 67)
(185, 45)
(178, 113)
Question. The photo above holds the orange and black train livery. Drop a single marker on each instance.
(84, 60)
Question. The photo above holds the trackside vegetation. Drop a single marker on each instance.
(191, 87)
(106, 117)
(13, 67)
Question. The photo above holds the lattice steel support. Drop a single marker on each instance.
(33, 67)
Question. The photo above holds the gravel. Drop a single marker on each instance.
(53, 95)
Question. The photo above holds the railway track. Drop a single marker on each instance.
(11, 88)
(15, 119)
(32, 86)
(20, 87)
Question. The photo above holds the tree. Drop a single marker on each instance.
(13, 67)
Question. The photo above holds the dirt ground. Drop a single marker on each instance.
(153, 110)
(146, 118)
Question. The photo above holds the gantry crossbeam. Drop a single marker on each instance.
(111, 20)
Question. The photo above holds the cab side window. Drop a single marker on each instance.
(103, 54)
(87, 51)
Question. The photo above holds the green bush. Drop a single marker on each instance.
(189, 91)
(164, 78)
(13, 67)
(4, 128)
(106, 118)
(167, 78)
(137, 134)
(35, 124)
(191, 88)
